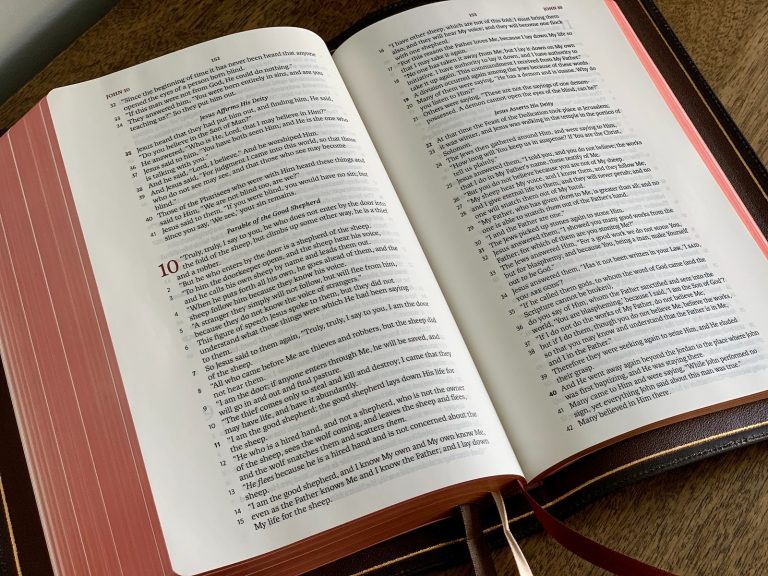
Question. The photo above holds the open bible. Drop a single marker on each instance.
(264, 306)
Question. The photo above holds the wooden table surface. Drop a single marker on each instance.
(709, 518)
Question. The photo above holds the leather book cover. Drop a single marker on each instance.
(22, 543)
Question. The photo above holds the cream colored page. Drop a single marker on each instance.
(289, 360)
(599, 274)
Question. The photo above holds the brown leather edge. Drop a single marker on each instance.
(9, 554)
(22, 543)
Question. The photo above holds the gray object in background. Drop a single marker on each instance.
(33, 32)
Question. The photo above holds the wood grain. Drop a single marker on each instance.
(707, 518)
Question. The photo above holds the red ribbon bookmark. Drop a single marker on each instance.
(588, 549)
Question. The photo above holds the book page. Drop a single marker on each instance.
(602, 275)
(289, 360)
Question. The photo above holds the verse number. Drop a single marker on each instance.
(170, 267)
